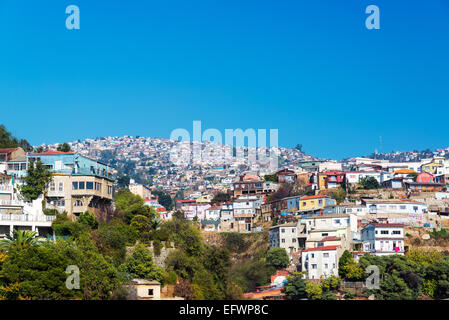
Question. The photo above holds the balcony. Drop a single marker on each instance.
(26, 218)
(14, 203)
(4, 188)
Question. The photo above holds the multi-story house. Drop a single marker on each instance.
(285, 236)
(79, 183)
(330, 179)
(244, 213)
(138, 189)
(15, 211)
(321, 262)
(383, 239)
(322, 230)
(315, 203)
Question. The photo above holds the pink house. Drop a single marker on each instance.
(425, 177)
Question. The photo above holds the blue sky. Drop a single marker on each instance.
(307, 68)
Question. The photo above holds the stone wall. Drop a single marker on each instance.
(159, 260)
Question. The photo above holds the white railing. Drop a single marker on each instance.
(26, 217)
(12, 203)
(5, 188)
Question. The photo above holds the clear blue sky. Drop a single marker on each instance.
(308, 68)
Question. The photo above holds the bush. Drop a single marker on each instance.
(349, 295)
(50, 212)
(157, 245)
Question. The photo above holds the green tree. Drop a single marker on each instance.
(21, 239)
(271, 177)
(143, 227)
(278, 258)
(164, 199)
(345, 259)
(204, 287)
(87, 218)
(368, 183)
(40, 271)
(313, 291)
(221, 197)
(140, 265)
(331, 283)
(129, 205)
(36, 181)
(295, 289)
(7, 140)
(65, 147)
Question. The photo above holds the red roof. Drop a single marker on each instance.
(8, 150)
(331, 238)
(325, 248)
(50, 153)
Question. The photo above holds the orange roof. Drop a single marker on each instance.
(263, 294)
(404, 171)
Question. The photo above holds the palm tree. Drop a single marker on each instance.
(20, 239)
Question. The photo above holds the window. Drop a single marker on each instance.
(78, 203)
(81, 185)
(283, 241)
(150, 292)
(326, 266)
(313, 266)
(313, 255)
(396, 232)
(74, 185)
(324, 234)
(61, 186)
(326, 255)
(52, 186)
(282, 230)
(89, 185)
(293, 240)
(293, 230)
(337, 221)
(383, 231)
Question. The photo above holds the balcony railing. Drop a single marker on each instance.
(26, 217)
(6, 188)
(12, 203)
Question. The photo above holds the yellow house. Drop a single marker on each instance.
(311, 203)
(431, 167)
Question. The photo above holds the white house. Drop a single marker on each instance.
(284, 236)
(213, 213)
(320, 262)
(395, 206)
(383, 239)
